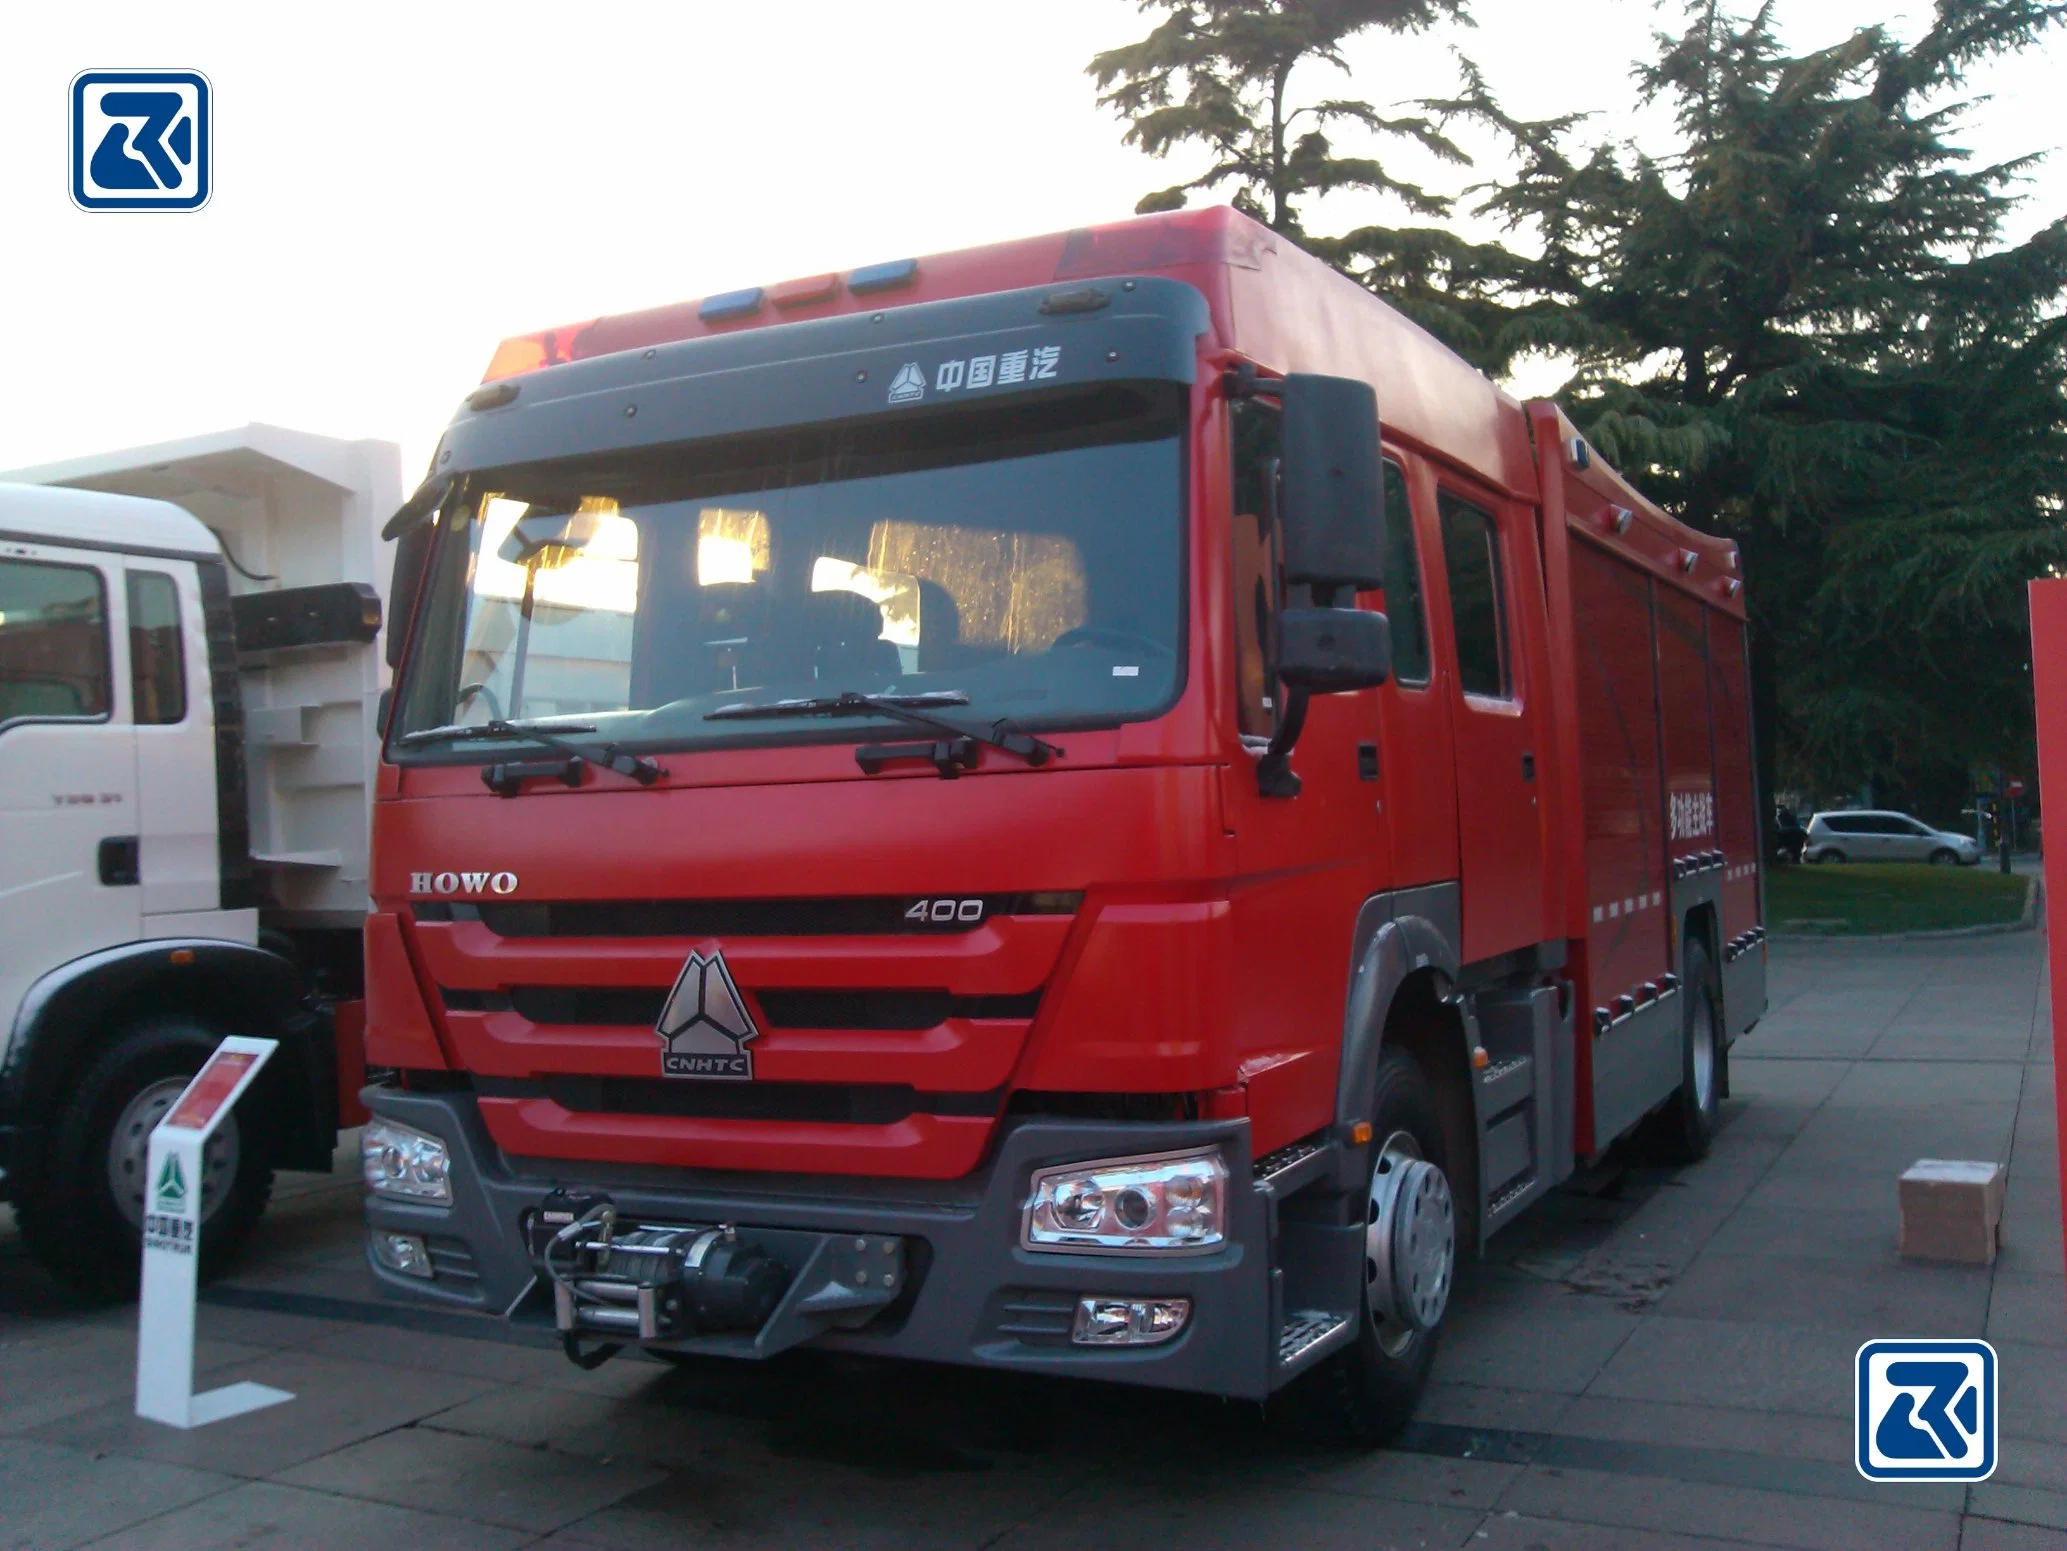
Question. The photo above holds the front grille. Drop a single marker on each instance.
(885, 916)
(860, 1104)
(639, 1006)
(452, 1260)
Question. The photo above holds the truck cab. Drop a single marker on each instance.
(1005, 808)
(175, 866)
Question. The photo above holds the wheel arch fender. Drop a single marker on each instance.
(68, 1016)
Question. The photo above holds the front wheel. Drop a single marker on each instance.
(1944, 858)
(1837, 857)
(84, 1219)
(1365, 1393)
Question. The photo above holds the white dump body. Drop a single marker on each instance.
(289, 509)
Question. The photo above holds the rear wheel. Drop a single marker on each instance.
(84, 1220)
(1365, 1393)
(1686, 1126)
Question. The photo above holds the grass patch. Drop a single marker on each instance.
(1861, 899)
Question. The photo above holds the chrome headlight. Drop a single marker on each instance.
(400, 1160)
(1163, 1204)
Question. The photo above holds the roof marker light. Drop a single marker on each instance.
(1581, 456)
(1619, 518)
(1732, 587)
(797, 293)
(730, 304)
(883, 277)
(1688, 559)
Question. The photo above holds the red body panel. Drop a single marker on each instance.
(1210, 956)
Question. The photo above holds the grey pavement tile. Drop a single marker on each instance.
(1822, 1188)
(1903, 1044)
(1807, 1233)
(1768, 1081)
(2033, 1310)
(1529, 1335)
(1995, 1535)
(1258, 1516)
(1486, 1405)
(258, 1327)
(504, 1361)
(1520, 1532)
(2030, 1462)
(473, 1478)
(265, 1516)
(598, 1427)
(52, 1496)
(1751, 1367)
(2019, 1504)
(335, 1403)
(1709, 1426)
(2033, 1402)
(828, 1507)
(1869, 1139)
(1420, 1478)
(1866, 1298)
(1891, 1084)
(1732, 1512)
(44, 1382)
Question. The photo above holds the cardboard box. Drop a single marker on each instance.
(1952, 1210)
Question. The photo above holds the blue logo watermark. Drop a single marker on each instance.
(141, 140)
(1926, 1411)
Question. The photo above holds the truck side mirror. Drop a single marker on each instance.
(1331, 517)
(1328, 651)
(1333, 504)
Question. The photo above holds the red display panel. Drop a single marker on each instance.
(1736, 789)
(1620, 781)
(208, 1092)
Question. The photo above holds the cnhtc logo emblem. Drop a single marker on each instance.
(141, 140)
(704, 1028)
(1926, 1411)
(172, 1185)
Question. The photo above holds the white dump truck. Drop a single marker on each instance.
(189, 700)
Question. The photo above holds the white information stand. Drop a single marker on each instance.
(172, 1247)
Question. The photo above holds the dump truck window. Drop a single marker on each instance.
(53, 642)
(1403, 602)
(157, 663)
(1471, 557)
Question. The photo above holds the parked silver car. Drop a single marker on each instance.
(1871, 836)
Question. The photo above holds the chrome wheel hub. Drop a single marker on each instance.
(1704, 1051)
(129, 1150)
(1410, 1243)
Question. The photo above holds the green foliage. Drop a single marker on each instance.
(1853, 899)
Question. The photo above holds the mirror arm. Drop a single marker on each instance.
(1275, 776)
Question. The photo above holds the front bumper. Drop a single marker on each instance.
(973, 1296)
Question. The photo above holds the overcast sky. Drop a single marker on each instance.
(399, 186)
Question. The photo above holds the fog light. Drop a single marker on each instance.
(1128, 1321)
(402, 1252)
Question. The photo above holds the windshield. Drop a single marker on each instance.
(1025, 556)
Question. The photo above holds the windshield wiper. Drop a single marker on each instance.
(505, 779)
(950, 757)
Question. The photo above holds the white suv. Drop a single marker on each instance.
(1869, 836)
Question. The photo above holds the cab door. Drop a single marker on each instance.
(69, 838)
(175, 745)
(1494, 607)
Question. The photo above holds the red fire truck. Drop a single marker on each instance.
(1097, 806)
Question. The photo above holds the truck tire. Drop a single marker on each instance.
(1686, 1125)
(1364, 1394)
(84, 1219)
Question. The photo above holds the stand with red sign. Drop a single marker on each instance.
(172, 1247)
(2049, 685)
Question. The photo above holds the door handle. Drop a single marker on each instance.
(1528, 767)
(120, 863)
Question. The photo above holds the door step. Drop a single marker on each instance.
(1307, 1330)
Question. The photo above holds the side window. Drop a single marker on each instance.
(1403, 603)
(157, 665)
(1258, 445)
(53, 642)
(1471, 558)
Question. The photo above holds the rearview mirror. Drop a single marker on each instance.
(548, 540)
(1333, 509)
(1329, 651)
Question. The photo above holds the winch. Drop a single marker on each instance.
(651, 1281)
